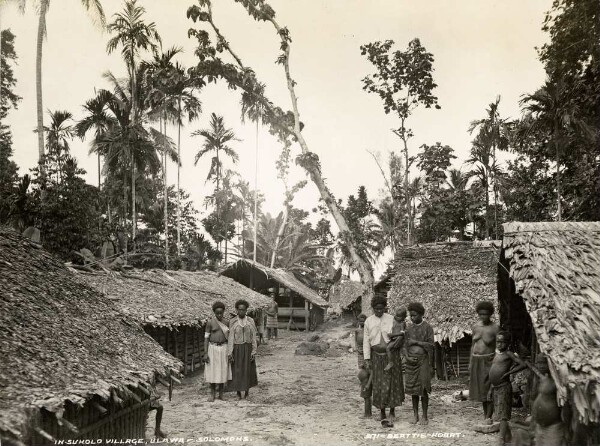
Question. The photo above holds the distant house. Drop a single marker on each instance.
(73, 366)
(345, 298)
(174, 306)
(300, 307)
(549, 292)
(448, 279)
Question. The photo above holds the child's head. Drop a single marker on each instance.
(361, 319)
(363, 376)
(502, 340)
(400, 315)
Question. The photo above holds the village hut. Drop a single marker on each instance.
(448, 279)
(174, 306)
(345, 298)
(73, 366)
(549, 293)
(300, 307)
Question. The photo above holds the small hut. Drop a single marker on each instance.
(300, 307)
(345, 298)
(549, 292)
(73, 366)
(448, 279)
(174, 306)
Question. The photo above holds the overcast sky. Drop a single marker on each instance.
(481, 48)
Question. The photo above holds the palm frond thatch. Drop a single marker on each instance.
(556, 270)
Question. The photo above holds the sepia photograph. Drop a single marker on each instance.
(300, 223)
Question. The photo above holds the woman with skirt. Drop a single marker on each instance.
(216, 369)
(388, 387)
(241, 350)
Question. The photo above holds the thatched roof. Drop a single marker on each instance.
(168, 299)
(556, 270)
(262, 275)
(343, 294)
(448, 279)
(61, 340)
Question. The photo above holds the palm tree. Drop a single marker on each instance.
(97, 118)
(93, 6)
(481, 158)
(58, 135)
(493, 132)
(216, 139)
(555, 111)
(133, 35)
(457, 180)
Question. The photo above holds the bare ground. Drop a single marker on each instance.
(310, 400)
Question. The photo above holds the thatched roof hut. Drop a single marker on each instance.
(262, 277)
(63, 346)
(344, 295)
(161, 298)
(448, 279)
(300, 307)
(174, 306)
(554, 268)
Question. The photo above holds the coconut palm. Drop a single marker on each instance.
(58, 134)
(457, 180)
(134, 36)
(95, 8)
(555, 111)
(493, 133)
(97, 118)
(216, 139)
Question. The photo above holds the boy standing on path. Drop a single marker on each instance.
(482, 355)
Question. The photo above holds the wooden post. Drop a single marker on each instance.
(185, 349)
(175, 338)
(457, 360)
(289, 327)
(166, 339)
(306, 316)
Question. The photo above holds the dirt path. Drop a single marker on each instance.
(310, 400)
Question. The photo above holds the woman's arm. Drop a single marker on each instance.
(207, 331)
(230, 338)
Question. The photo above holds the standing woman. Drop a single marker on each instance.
(388, 388)
(216, 368)
(241, 350)
(272, 321)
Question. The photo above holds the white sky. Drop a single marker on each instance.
(481, 48)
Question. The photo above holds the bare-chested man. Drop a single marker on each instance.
(482, 354)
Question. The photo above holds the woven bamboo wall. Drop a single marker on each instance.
(185, 343)
(122, 420)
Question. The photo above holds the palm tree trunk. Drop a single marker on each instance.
(558, 194)
(487, 208)
(495, 188)
(165, 191)
(255, 195)
(99, 184)
(406, 189)
(133, 210)
(38, 81)
(178, 173)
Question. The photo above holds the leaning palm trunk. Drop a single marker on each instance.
(38, 80)
(556, 146)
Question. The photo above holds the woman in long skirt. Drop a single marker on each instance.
(241, 349)
(216, 368)
(388, 386)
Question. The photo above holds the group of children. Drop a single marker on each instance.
(491, 366)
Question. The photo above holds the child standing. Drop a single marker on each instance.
(359, 334)
(396, 337)
(504, 364)
(366, 389)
